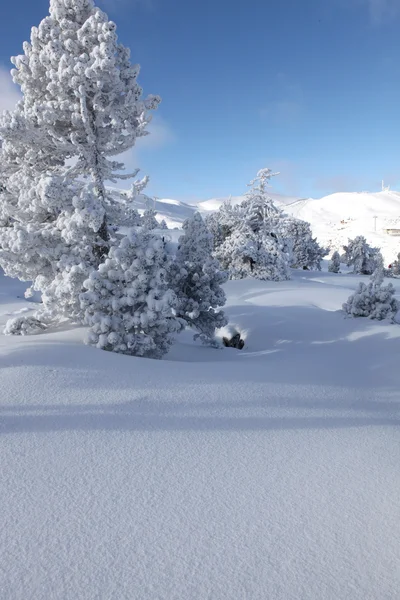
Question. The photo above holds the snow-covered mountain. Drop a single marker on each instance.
(333, 218)
(337, 217)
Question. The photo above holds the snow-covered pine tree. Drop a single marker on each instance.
(261, 212)
(334, 264)
(196, 278)
(360, 255)
(149, 220)
(128, 304)
(248, 254)
(223, 222)
(246, 236)
(81, 108)
(374, 300)
(306, 253)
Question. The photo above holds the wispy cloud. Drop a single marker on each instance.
(282, 111)
(291, 176)
(160, 136)
(117, 5)
(286, 103)
(9, 94)
(379, 11)
(339, 182)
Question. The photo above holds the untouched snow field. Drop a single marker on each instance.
(266, 474)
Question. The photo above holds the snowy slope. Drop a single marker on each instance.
(270, 473)
(172, 211)
(357, 210)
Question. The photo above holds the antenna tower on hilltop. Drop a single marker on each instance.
(385, 188)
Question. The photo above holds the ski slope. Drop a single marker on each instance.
(357, 210)
(269, 473)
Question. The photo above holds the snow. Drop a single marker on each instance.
(270, 472)
(173, 212)
(356, 209)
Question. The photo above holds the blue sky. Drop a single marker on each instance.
(310, 88)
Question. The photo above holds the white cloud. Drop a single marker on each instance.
(9, 94)
(286, 104)
(160, 136)
(380, 11)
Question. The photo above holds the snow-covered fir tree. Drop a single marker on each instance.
(81, 108)
(248, 254)
(196, 278)
(261, 212)
(305, 253)
(223, 222)
(246, 236)
(360, 255)
(374, 300)
(149, 220)
(334, 263)
(129, 305)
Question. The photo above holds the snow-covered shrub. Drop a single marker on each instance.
(23, 326)
(395, 268)
(306, 253)
(81, 107)
(374, 300)
(246, 236)
(334, 263)
(360, 255)
(128, 304)
(196, 278)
